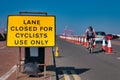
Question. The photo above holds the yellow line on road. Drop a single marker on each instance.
(66, 76)
(75, 76)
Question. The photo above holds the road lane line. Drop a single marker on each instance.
(6, 75)
(75, 76)
(66, 76)
(118, 57)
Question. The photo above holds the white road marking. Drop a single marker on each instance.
(6, 75)
(10, 72)
(66, 76)
(118, 57)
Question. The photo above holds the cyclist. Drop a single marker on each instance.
(90, 33)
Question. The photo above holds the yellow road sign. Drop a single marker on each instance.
(24, 31)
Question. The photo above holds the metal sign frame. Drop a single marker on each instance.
(20, 49)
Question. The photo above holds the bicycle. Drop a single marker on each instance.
(91, 45)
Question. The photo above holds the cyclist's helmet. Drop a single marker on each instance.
(90, 28)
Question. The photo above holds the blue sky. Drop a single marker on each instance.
(103, 15)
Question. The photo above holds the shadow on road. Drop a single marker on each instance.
(78, 71)
(98, 51)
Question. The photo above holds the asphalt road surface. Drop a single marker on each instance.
(76, 63)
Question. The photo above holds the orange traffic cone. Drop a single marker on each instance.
(85, 43)
(82, 40)
(79, 40)
(94, 44)
(103, 45)
(57, 52)
(109, 48)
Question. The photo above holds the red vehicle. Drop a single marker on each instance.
(109, 36)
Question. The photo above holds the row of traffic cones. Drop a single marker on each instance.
(78, 40)
(82, 40)
(107, 49)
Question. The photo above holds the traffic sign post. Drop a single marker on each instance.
(31, 31)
